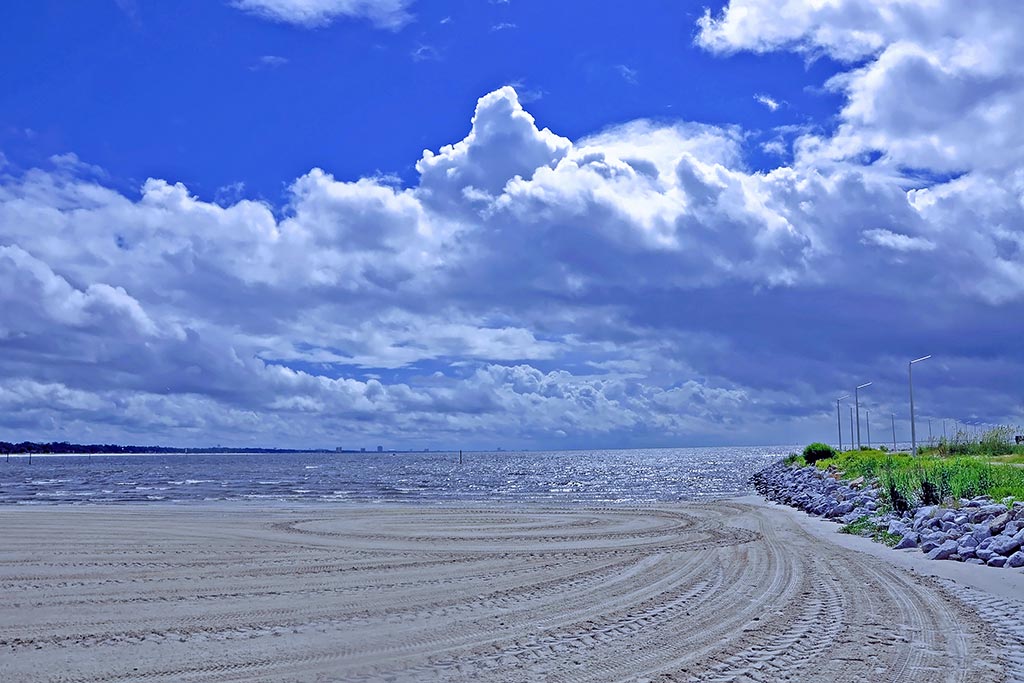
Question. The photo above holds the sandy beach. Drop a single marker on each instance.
(725, 591)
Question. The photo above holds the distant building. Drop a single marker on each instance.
(380, 449)
(362, 450)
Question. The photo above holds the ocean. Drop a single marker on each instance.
(594, 477)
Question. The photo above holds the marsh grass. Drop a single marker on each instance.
(994, 442)
(907, 481)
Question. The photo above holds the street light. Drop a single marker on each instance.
(839, 420)
(910, 376)
(856, 400)
(851, 428)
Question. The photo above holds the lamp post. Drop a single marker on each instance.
(910, 378)
(867, 421)
(839, 420)
(851, 428)
(893, 432)
(856, 400)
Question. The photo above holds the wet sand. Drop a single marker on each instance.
(726, 591)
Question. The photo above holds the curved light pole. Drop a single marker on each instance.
(856, 400)
(839, 420)
(910, 377)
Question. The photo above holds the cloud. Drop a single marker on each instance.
(896, 241)
(268, 62)
(928, 85)
(767, 101)
(504, 26)
(629, 75)
(425, 53)
(641, 285)
(390, 14)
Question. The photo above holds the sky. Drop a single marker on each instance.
(516, 224)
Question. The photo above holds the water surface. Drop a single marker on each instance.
(633, 476)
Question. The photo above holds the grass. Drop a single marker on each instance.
(865, 527)
(994, 442)
(964, 467)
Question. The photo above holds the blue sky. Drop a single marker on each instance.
(309, 222)
(211, 96)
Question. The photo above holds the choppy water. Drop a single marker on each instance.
(596, 477)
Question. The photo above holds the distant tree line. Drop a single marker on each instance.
(63, 447)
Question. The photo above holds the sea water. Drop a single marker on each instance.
(597, 477)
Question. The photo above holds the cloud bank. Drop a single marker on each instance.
(639, 286)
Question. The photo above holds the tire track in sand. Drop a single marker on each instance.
(701, 592)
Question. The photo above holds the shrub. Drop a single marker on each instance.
(795, 459)
(818, 451)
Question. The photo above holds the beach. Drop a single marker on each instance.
(720, 590)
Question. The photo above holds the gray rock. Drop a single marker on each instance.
(981, 532)
(923, 514)
(1015, 560)
(996, 561)
(973, 560)
(964, 551)
(984, 553)
(944, 551)
(986, 511)
(897, 527)
(997, 524)
(908, 541)
(843, 508)
(968, 542)
(960, 520)
(1004, 545)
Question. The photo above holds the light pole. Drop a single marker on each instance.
(851, 428)
(839, 420)
(893, 432)
(867, 421)
(910, 377)
(856, 400)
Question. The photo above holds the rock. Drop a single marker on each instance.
(968, 542)
(843, 508)
(944, 551)
(986, 511)
(981, 532)
(984, 553)
(996, 561)
(923, 513)
(974, 560)
(1004, 545)
(965, 551)
(1015, 560)
(997, 524)
(908, 541)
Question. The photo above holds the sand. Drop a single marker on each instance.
(734, 590)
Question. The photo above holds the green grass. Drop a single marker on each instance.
(865, 527)
(997, 441)
(931, 478)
